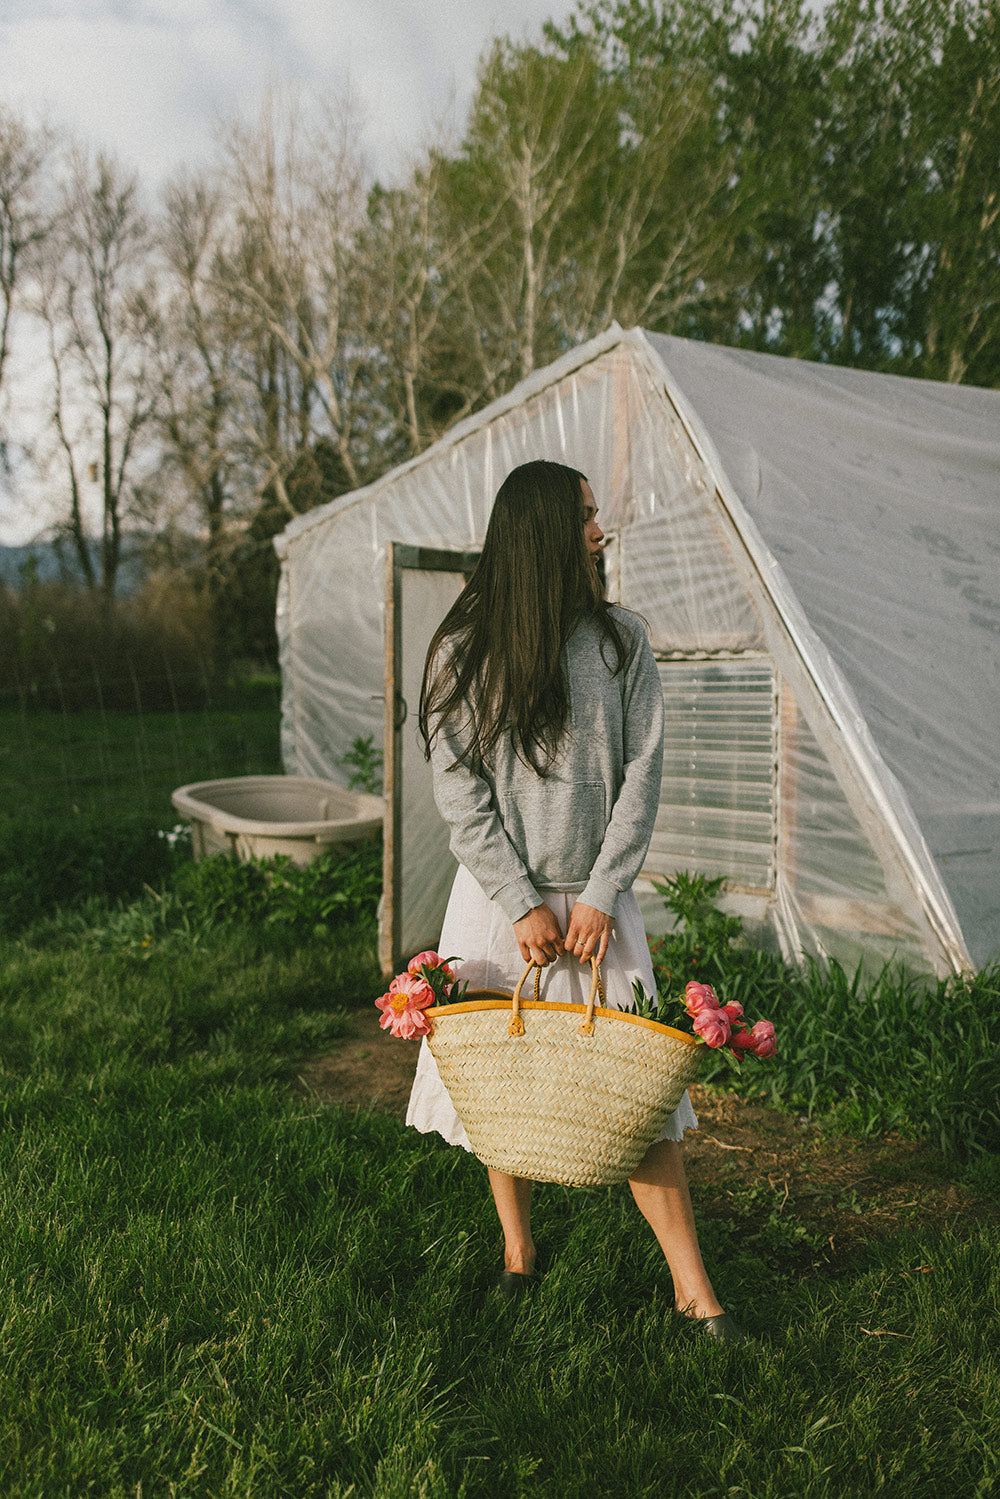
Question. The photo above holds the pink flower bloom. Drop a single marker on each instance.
(403, 1006)
(733, 1009)
(431, 961)
(406, 1024)
(415, 987)
(698, 997)
(712, 1026)
(426, 959)
(741, 1040)
(764, 1044)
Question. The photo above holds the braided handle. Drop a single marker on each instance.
(516, 1026)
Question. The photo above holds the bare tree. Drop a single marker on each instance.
(296, 191)
(540, 127)
(414, 257)
(658, 239)
(198, 349)
(25, 217)
(97, 300)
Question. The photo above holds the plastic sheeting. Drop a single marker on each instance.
(879, 500)
(821, 544)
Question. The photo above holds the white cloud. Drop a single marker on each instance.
(145, 91)
(151, 78)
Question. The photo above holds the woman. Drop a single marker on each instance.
(543, 717)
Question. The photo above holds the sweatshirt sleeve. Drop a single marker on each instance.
(478, 840)
(634, 813)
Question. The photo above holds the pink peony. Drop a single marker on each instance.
(403, 1006)
(741, 1040)
(431, 960)
(698, 997)
(712, 1025)
(415, 986)
(733, 1009)
(762, 1037)
(426, 959)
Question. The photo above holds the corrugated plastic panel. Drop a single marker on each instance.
(717, 803)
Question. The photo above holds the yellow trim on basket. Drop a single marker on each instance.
(504, 1002)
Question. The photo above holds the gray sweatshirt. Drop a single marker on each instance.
(585, 827)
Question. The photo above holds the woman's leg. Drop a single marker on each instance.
(659, 1186)
(512, 1195)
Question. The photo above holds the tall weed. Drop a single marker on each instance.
(69, 649)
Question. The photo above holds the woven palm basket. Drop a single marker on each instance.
(559, 1092)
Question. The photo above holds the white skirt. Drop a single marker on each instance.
(479, 935)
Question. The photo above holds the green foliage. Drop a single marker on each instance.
(900, 1051)
(365, 764)
(903, 1052)
(841, 126)
(703, 928)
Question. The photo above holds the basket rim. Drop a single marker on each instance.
(493, 999)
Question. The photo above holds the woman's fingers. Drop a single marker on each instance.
(539, 936)
(541, 941)
(588, 934)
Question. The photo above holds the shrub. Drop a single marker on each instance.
(280, 905)
(300, 901)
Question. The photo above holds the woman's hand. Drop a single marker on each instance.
(539, 936)
(589, 933)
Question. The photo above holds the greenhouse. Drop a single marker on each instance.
(816, 552)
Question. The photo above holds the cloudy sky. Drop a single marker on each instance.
(150, 78)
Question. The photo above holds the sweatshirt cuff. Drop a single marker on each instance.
(600, 894)
(517, 898)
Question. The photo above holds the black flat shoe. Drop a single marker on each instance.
(722, 1327)
(511, 1286)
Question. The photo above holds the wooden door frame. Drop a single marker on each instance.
(400, 557)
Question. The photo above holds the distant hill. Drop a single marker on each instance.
(50, 562)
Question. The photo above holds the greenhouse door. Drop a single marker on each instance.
(421, 586)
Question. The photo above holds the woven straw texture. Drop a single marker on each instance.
(554, 1105)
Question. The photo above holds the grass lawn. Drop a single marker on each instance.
(58, 765)
(213, 1284)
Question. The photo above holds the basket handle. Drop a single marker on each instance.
(516, 1026)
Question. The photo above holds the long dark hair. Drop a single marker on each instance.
(503, 638)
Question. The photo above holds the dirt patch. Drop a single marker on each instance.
(827, 1195)
(370, 1069)
(833, 1193)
